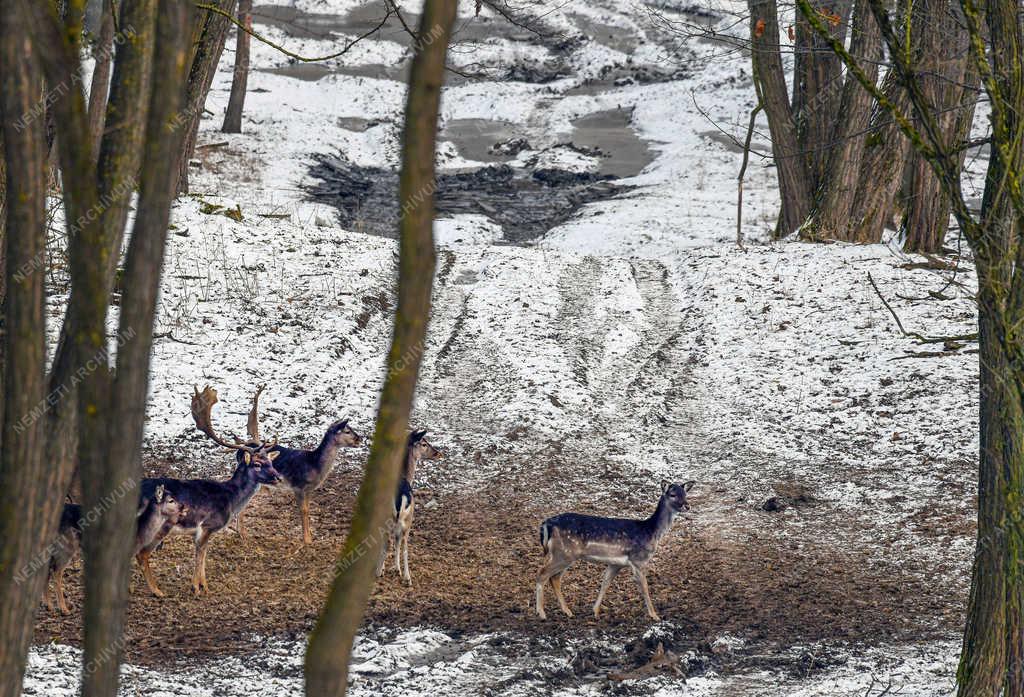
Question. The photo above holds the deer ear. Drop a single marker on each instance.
(158, 495)
(247, 458)
(665, 484)
(272, 455)
(688, 485)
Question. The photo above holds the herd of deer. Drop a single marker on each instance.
(204, 507)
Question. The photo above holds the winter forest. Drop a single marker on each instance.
(653, 348)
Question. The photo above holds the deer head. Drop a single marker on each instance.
(421, 449)
(675, 494)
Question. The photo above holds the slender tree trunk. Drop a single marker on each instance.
(770, 82)
(236, 102)
(838, 188)
(24, 525)
(100, 85)
(211, 34)
(106, 489)
(330, 644)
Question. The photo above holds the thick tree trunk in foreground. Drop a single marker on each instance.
(330, 644)
(22, 522)
(210, 35)
(117, 433)
(770, 82)
(236, 102)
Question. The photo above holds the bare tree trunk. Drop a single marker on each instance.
(330, 644)
(104, 490)
(838, 184)
(818, 90)
(212, 32)
(992, 659)
(884, 159)
(236, 102)
(770, 81)
(943, 58)
(24, 524)
(100, 84)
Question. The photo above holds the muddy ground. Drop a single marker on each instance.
(473, 558)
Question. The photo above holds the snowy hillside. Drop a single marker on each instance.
(830, 532)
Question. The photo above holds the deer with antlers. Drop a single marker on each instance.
(211, 505)
(304, 470)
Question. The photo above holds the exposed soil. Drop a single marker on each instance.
(473, 558)
(526, 204)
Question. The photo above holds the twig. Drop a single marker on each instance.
(282, 49)
(743, 171)
(921, 339)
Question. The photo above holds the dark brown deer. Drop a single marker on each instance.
(618, 543)
(155, 514)
(304, 470)
(417, 449)
(211, 505)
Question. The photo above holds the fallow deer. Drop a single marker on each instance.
(617, 543)
(304, 470)
(417, 449)
(154, 515)
(211, 505)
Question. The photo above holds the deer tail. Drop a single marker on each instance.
(545, 534)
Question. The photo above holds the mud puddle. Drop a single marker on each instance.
(525, 204)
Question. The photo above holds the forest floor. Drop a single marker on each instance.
(585, 342)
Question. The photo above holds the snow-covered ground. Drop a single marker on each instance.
(634, 341)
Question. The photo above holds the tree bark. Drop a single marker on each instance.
(943, 58)
(28, 512)
(236, 102)
(818, 90)
(770, 81)
(106, 489)
(211, 33)
(838, 183)
(100, 84)
(992, 659)
(330, 644)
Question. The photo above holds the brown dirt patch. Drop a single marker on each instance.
(473, 559)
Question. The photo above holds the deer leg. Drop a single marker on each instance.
(307, 534)
(396, 536)
(199, 574)
(147, 571)
(556, 584)
(240, 525)
(610, 572)
(62, 602)
(405, 553)
(550, 568)
(383, 556)
(46, 593)
(641, 580)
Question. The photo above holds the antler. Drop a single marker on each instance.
(202, 403)
(253, 425)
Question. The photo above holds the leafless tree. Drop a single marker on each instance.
(992, 660)
(330, 644)
(87, 408)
